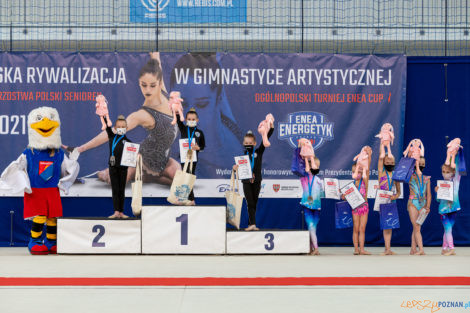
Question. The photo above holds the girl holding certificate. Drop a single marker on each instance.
(448, 209)
(360, 214)
(420, 199)
(190, 132)
(313, 190)
(117, 172)
(252, 187)
(385, 168)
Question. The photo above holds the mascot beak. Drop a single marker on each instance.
(45, 127)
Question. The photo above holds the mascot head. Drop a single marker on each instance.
(44, 129)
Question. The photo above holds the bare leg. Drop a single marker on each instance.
(362, 233)
(417, 239)
(387, 239)
(356, 222)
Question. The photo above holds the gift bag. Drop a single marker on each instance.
(136, 203)
(462, 168)
(404, 170)
(389, 216)
(343, 215)
(182, 185)
(298, 164)
(234, 202)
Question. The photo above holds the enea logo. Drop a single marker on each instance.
(223, 188)
(310, 125)
(151, 5)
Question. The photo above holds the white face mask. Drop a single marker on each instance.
(191, 123)
(447, 176)
(120, 131)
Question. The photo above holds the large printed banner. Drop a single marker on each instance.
(337, 101)
(187, 11)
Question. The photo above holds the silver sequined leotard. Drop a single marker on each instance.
(155, 149)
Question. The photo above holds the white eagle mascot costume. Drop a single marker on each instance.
(40, 171)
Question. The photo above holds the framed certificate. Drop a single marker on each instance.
(332, 188)
(184, 148)
(129, 154)
(352, 195)
(244, 167)
(382, 197)
(445, 190)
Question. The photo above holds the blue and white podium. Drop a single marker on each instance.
(183, 229)
(173, 230)
(98, 236)
(268, 242)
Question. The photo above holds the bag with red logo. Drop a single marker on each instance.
(234, 202)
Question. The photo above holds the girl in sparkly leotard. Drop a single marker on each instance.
(155, 117)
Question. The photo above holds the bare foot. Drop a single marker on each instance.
(104, 176)
(365, 252)
(450, 252)
(122, 215)
(356, 252)
(316, 252)
(444, 251)
(412, 252)
(420, 253)
(115, 215)
(250, 228)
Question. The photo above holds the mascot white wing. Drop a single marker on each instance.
(69, 171)
(14, 178)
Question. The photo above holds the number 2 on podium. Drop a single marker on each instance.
(96, 241)
(183, 219)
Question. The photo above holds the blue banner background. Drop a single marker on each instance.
(226, 111)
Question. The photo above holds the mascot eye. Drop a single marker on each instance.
(39, 117)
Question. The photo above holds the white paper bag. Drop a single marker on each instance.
(182, 185)
(234, 202)
(137, 188)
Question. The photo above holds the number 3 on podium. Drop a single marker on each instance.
(270, 241)
(183, 219)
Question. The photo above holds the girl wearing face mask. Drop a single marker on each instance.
(385, 168)
(252, 187)
(191, 131)
(420, 199)
(313, 191)
(448, 209)
(117, 173)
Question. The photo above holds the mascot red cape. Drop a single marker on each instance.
(40, 171)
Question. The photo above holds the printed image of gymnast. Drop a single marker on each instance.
(155, 117)
(214, 112)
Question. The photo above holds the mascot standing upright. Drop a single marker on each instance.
(40, 171)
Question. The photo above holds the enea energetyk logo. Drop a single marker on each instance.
(310, 125)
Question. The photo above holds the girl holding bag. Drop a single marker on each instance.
(385, 168)
(252, 187)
